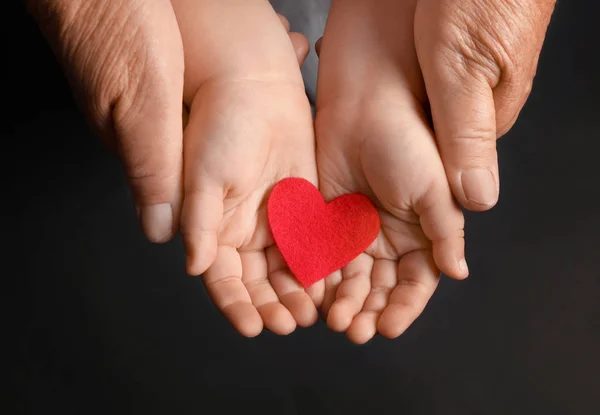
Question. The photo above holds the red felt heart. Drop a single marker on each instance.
(315, 237)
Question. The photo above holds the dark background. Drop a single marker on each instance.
(99, 321)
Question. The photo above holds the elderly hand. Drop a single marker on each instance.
(124, 60)
(478, 59)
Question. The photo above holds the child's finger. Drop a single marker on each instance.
(316, 292)
(284, 21)
(363, 327)
(443, 223)
(383, 280)
(224, 284)
(299, 41)
(406, 173)
(417, 280)
(332, 282)
(351, 293)
(200, 221)
(275, 316)
(288, 289)
(301, 46)
(204, 193)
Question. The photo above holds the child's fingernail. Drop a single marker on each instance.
(462, 264)
(480, 187)
(157, 221)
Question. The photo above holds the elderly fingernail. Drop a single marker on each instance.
(480, 187)
(157, 221)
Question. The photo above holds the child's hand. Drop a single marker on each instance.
(250, 125)
(373, 138)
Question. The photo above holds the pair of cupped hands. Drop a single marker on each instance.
(412, 96)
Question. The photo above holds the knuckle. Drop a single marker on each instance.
(469, 151)
(146, 171)
(475, 136)
(402, 209)
(481, 135)
(466, 55)
(485, 40)
(150, 182)
(150, 168)
(411, 279)
(146, 162)
(436, 198)
(475, 157)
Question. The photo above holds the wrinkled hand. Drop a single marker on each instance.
(124, 60)
(373, 138)
(250, 125)
(478, 58)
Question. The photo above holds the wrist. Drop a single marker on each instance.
(233, 41)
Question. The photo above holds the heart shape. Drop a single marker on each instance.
(317, 238)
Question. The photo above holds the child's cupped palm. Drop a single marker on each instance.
(388, 154)
(245, 134)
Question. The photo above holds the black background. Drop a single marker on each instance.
(101, 322)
